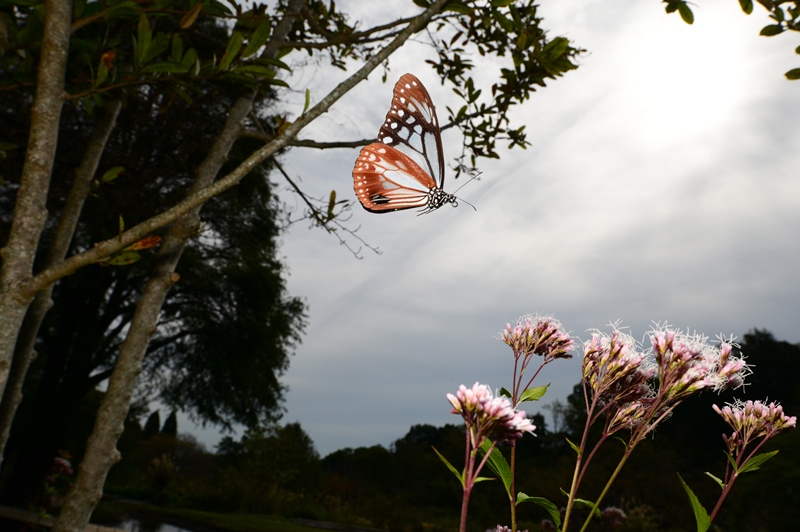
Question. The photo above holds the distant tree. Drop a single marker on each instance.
(152, 424)
(170, 427)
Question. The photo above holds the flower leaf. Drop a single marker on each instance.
(755, 462)
(498, 464)
(700, 514)
(458, 475)
(717, 480)
(574, 447)
(551, 508)
(533, 394)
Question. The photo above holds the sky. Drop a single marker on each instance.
(661, 184)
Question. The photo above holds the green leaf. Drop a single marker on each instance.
(533, 394)
(501, 3)
(458, 8)
(506, 24)
(458, 475)
(498, 464)
(144, 38)
(88, 104)
(102, 73)
(234, 45)
(551, 508)
(177, 49)
(259, 70)
(588, 504)
(258, 39)
(109, 176)
(700, 514)
(556, 48)
(121, 224)
(156, 48)
(182, 93)
(797, 50)
(793, 74)
(772, 29)
(686, 12)
(503, 391)
(124, 258)
(272, 61)
(331, 198)
(755, 462)
(717, 480)
(747, 6)
(164, 66)
(574, 447)
(190, 59)
(308, 101)
(422, 3)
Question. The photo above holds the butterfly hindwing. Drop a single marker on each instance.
(385, 179)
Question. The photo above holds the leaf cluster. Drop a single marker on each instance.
(508, 33)
(785, 16)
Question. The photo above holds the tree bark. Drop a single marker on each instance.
(30, 212)
(24, 353)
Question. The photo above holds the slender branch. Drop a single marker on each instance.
(307, 143)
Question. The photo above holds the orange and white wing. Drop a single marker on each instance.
(385, 180)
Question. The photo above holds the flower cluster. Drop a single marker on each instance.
(751, 420)
(538, 335)
(620, 376)
(486, 415)
(614, 370)
(687, 363)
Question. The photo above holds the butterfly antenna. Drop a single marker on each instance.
(476, 176)
(468, 203)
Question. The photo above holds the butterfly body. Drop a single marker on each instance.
(405, 168)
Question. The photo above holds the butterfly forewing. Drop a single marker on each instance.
(411, 126)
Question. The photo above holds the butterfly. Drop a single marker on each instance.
(397, 172)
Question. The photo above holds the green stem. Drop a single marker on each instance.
(512, 495)
(607, 487)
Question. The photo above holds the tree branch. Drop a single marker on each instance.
(106, 248)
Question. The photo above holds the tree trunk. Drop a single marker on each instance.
(24, 353)
(30, 212)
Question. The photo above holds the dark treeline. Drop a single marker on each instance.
(276, 470)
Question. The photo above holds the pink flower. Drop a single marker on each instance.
(486, 415)
(538, 335)
(753, 419)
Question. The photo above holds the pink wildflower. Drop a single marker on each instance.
(486, 415)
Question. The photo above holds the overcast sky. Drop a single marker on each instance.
(662, 184)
